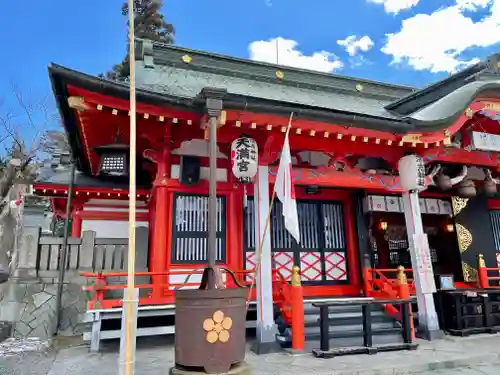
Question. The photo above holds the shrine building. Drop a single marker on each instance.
(347, 136)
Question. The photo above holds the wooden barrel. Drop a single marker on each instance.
(210, 328)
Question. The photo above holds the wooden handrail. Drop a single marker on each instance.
(163, 293)
(483, 277)
(146, 273)
(368, 345)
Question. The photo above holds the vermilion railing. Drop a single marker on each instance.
(383, 282)
(163, 293)
(378, 284)
(484, 277)
(287, 295)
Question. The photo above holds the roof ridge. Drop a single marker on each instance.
(148, 50)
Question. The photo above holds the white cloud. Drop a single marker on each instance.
(435, 41)
(353, 45)
(285, 52)
(395, 6)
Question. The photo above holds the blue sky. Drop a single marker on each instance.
(412, 42)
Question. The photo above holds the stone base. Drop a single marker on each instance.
(429, 335)
(5, 330)
(241, 368)
(265, 347)
(30, 306)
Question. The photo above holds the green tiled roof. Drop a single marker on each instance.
(163, 70)
(183, 72)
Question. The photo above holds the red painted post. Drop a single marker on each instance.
(367, 276)
(99, 288)
(76, 226)
(159, 253)
(298, 336)
(367, 279)
(482, 271)
(404, 293)
(404, 288)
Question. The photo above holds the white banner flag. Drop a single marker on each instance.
(285, 191)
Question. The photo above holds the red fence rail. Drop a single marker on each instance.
(484, 276)
(390, 284)
(102, 284)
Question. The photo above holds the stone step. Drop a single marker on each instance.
(353, 341)
(347, 318)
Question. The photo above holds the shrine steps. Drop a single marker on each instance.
(346, 328)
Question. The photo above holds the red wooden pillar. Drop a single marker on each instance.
(235, 230)
(484, 282)
(352, 244)
(297, 296)
(76, 225)
(159, 253)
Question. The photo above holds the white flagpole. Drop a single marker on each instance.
(129, 303)
(278, 61)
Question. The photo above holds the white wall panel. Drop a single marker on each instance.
(110, 228)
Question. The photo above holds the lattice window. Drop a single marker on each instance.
(190, 229)
(321, 253)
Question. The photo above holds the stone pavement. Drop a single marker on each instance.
(461, 356)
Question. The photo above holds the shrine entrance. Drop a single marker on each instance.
(322, 251)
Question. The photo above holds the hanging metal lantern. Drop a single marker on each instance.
(114, 159)
(443, 181)
(412, 173)
(489, 187)
(466, 189)
(244, 159)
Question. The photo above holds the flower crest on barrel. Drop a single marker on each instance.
(218, 327)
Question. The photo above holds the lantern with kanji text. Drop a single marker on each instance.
(244, 159)
(412, 173)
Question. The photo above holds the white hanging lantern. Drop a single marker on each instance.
(412, 173)
(244, 159)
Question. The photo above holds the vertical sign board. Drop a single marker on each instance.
(424, 264)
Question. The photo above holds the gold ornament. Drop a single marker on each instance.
(470, 274)
(296, 276)
(464, 237)
(402, 276)
(480, 261)
(187, 59)
(469, 113)
(280, 74)
(218, 327)
(458, 204)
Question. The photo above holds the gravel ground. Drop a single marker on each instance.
(27, 363)
(26, 357)
(33, 357)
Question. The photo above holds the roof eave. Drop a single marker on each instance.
(61, 77)
(436, 91)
